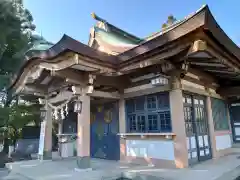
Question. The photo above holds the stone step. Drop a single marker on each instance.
(236, 145)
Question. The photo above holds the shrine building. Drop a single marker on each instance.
(168, 100)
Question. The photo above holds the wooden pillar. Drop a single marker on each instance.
(230, 123)
(211, 127)
(60, 130)
(60, 127)
(122, 128)
(45, 142)
(122, 120)
(48, 135)
(178, 124)
(83, 133)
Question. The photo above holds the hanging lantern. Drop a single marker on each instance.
(43, 113)
(78, 106)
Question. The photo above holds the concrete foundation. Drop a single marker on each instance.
(83, 162)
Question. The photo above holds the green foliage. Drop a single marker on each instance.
(16, 25)
(17, 117)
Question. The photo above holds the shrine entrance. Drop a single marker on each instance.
(235, 120)
(196, 124)
(105, 141)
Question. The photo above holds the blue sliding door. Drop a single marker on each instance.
(105, 142)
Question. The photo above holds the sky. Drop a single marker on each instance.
(54, 18)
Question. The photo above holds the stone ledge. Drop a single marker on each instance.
(232, 175)
(131, 176)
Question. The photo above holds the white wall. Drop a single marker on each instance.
(157, 149)
(223, 142)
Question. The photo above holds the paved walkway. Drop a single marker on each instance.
(225, 168)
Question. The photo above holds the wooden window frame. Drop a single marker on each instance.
(149, 110)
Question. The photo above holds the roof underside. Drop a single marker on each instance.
(220, 57)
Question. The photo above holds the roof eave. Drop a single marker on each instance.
(202, 19)
(66, 44)
(223, 39)
(190, 25)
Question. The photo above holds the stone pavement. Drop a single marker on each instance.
(3, 172)
(225, 168)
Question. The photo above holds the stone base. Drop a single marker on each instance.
(83, 162)
(47, 155)
(83, 170)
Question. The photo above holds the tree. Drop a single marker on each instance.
(170, 20)
(16, 25)
(19, 115)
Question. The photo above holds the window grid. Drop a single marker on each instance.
(219, 112)
(149, 114)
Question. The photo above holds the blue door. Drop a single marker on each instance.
(105, 142)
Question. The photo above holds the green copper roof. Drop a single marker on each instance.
(115, 34)
(40, 47)
(124, 34)
(39, 44)
(114, 38)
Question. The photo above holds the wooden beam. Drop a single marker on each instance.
(62, 96)
(212, 60)
(223, 59)
(101, 94)
(229, 91)
(215, 68)
(58, 87)
(157, 58)
(72, 75)
(34, 89)
(197, 46)
(210, 48)
(81, 78)
(112, 81)
(144, 90)
(199, 82)
(227, 57)
(203, 76)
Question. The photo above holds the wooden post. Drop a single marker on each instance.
(178, 124)
(83, 133)
(45, 142)
(122, 128)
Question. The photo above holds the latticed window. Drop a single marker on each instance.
(149, 113)
(220, 116)
(133, 122)
(153, 122)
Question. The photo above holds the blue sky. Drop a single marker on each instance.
(54, 18)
